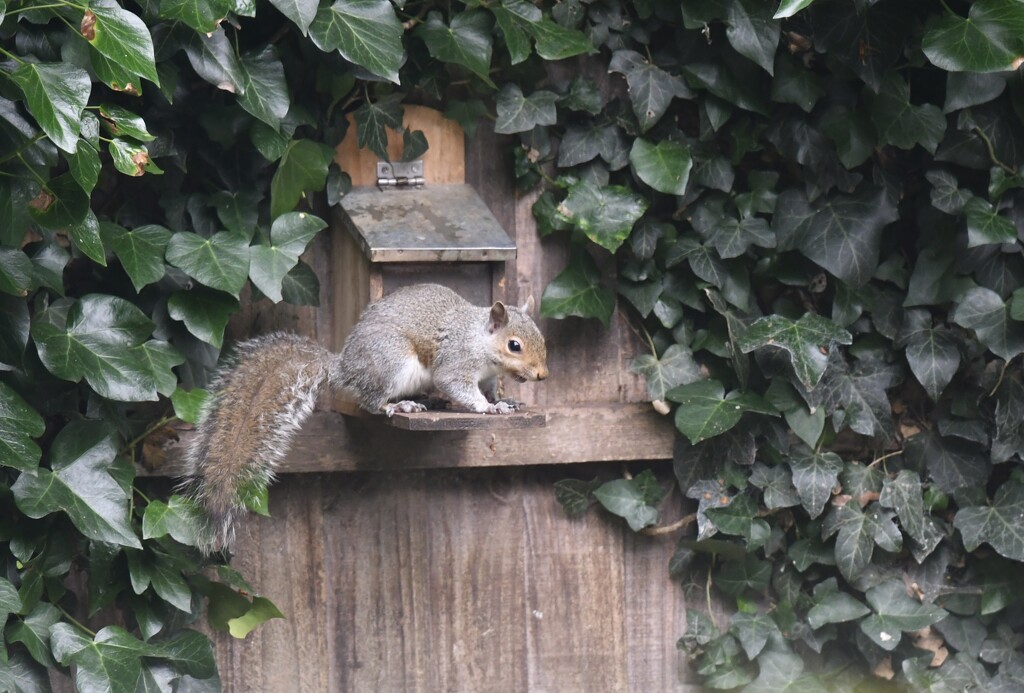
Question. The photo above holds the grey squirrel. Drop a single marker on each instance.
(418, 337)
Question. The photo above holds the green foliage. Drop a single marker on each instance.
(813, 215)
(815, 218)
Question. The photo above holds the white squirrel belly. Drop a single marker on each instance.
(411, 379)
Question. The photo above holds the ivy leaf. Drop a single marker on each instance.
(814, 476)
(289, 236)
(933, 357)
(998, 524)
(989, 40)
(953, 464)
(807, 342)
(112, 661)
(466, 41)
(365, 32)
(264, 92)
(860, 393)
(301, 286)
(946, 193)
(262, 610)
(556, 42)
(202, 15)
(898, 121)
(675, 367)
(776, 483)
(985, 225)
(896, 612)
(15, 272)
(706, 411)
(651, 89)
(514, 19)
(121, 37)
(213, 58)
(188, 406)
(904, 495)
(844, 233)
(983, 311)
(131, 158)
(79, 483)
(190, 652)
(575, 495)
(782, 671)
(301, 12)
(787, 8)
(578, 291)
(664, 166)
(753, 631)
(581, 144)
(856, 534)
(730, 236)
(140, 251)
(238, 210)
(68, 204)
(103, 339)
(205, 312)
(626, 498)
(605, 214)
(752, 32)
(34, 632)
(220, 262)
(303, 168)
(373, 120)
(55, 94)
(519, 113)
(833, 606)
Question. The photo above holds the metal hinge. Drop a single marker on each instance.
(400, 174)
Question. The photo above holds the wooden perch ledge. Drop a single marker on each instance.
(330, 442)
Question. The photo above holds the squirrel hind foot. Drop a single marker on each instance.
(503, 406)
(405, 407)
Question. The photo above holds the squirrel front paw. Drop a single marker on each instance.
(405, 407)
(503, 406)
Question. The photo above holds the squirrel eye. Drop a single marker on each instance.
(514, 346)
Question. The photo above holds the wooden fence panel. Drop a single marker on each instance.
(452, 580)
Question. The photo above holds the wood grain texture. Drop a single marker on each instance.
(452, 581)
(334, 442)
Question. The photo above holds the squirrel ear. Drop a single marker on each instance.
(499, 316)
(527, 306)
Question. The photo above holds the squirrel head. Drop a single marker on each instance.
(521, 350)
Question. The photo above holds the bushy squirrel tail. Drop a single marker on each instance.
(258, 402)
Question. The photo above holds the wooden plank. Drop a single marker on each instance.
(464, 420)
(452, 580)
(332, 442)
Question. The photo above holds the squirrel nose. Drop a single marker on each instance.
(542, 375)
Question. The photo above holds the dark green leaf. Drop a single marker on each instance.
(14, 331)
(555, 42)
(373, 120)
(289, 236)
(998, 524)
(753, 631)
(833, 606)
(933, 356)
(752, 31)
(365, 32)
(80, 484)
(777, 485)
(55, 93)
(205, 312)
(301, 12)
(15, 272)
(86, 237)
(806, 341)
(901, 123)
(301, 286)
(34, 632)
(625, 498)
(202, 15)
(190, 652)
(706, 411)
(238, 210)
(988, 40)
(188, 404)
(578, 291)
(815, 476)
(575, 495)
(19, 424)
(844, 233)
(985, 225)
(104, 340)
(952, 463)
(895, 612)
(122, 37)
(519, 113)
(651, 89)
(946, 193)
(860, 393)
(787, 8)
(466, 41)
(213, 58)
(220, 262)
(140, 250)
(303, 168)
(264, 92)
(983, 311)
(904, 495)
(112, 661)
(664, 166)
(605, 214)
(69, 204)
(675, 367)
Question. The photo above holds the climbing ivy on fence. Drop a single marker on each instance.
(813, 211)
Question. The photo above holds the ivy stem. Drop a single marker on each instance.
(17, 152)
(992, 152)
(707, 592)
(54, 6)
(130, 445)
(1002, 374)
(662, 530)
(886, 456)
(12, 56)
(75, 621)
(31, 170)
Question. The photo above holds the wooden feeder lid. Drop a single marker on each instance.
(431, 223)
